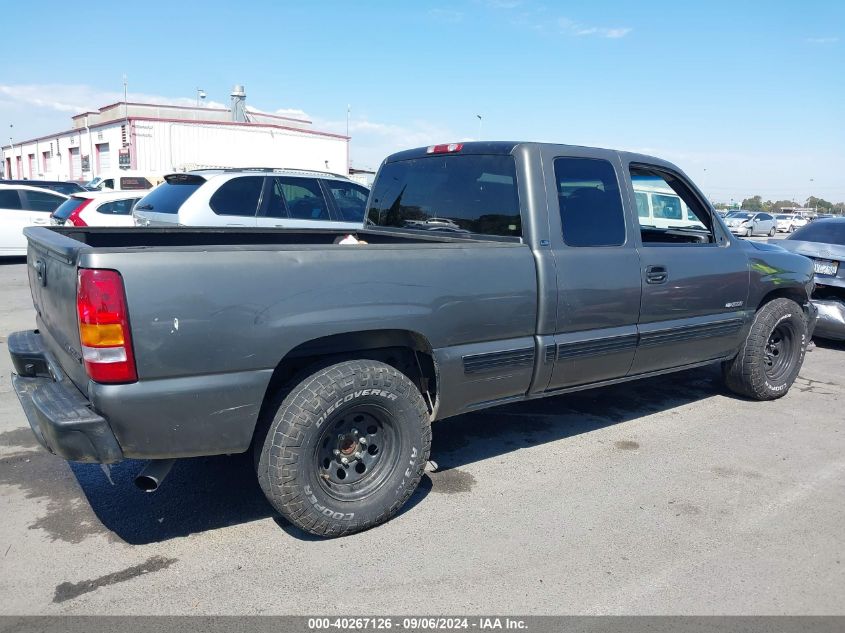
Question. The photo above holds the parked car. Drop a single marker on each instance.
(658, 205)
(22, 206)
(823, 241)
(95, 208)
(331, 361)
(269, 198)
(124, 180)
(64, 187)
(788, 222)
(749, 223)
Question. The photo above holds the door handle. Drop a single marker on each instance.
(39, 221)
(656, 274)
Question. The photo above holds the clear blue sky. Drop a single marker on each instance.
(747, 97)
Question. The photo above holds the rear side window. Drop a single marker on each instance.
(67, 207)
(304, 198)
(117, 207)
(9, 199)
(130, 183)
(42, 201)
(168, 196)
(590, 203)
(457, 194)
(238, 196)
(350, 199)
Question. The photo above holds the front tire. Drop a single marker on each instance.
(771, 356)
(749, 233)
(345, 449)
(772, 232)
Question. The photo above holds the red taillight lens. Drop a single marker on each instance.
(74, 218)
(104, 326)
(445, 149)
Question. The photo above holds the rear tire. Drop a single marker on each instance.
(771, 356)
(363, 412)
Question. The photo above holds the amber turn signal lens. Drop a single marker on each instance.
(95, 335)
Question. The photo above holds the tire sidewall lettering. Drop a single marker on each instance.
(382, 393)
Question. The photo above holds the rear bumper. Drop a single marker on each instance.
(60, 416)
(831, 321)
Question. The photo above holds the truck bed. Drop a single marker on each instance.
(213, 312)
(151, 237)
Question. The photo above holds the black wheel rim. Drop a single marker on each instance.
(779, 351)
(357, 451)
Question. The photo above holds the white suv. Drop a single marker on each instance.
(265, 198)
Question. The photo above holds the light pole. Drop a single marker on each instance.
(479, 126)
(11, 149)
(200, 95)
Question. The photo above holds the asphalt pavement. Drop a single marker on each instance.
(664, 496)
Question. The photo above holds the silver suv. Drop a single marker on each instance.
(255, 197)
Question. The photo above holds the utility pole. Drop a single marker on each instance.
(11, 149)
(348, 152)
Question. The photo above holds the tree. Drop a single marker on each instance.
(782, 204)
(753, 204)
(819, 203)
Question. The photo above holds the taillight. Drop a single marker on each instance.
(104, 326)
(445, 149)
(74, 217)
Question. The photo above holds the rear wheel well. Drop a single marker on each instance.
(408, 352)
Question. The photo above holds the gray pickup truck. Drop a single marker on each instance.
(487, 273)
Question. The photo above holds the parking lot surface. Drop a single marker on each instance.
(664, 496)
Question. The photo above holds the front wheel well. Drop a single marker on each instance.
(795, 294)
(406, 351)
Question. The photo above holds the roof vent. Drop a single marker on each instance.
(238, 104)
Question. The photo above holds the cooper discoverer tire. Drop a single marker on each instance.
(772, 354)
(345, 449)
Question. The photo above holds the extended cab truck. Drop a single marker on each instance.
(491, 273)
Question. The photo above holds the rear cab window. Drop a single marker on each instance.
(457, 194)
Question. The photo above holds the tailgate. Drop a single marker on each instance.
(51, 265)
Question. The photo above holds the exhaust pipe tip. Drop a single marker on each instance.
(153, 474)
(147, 483)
